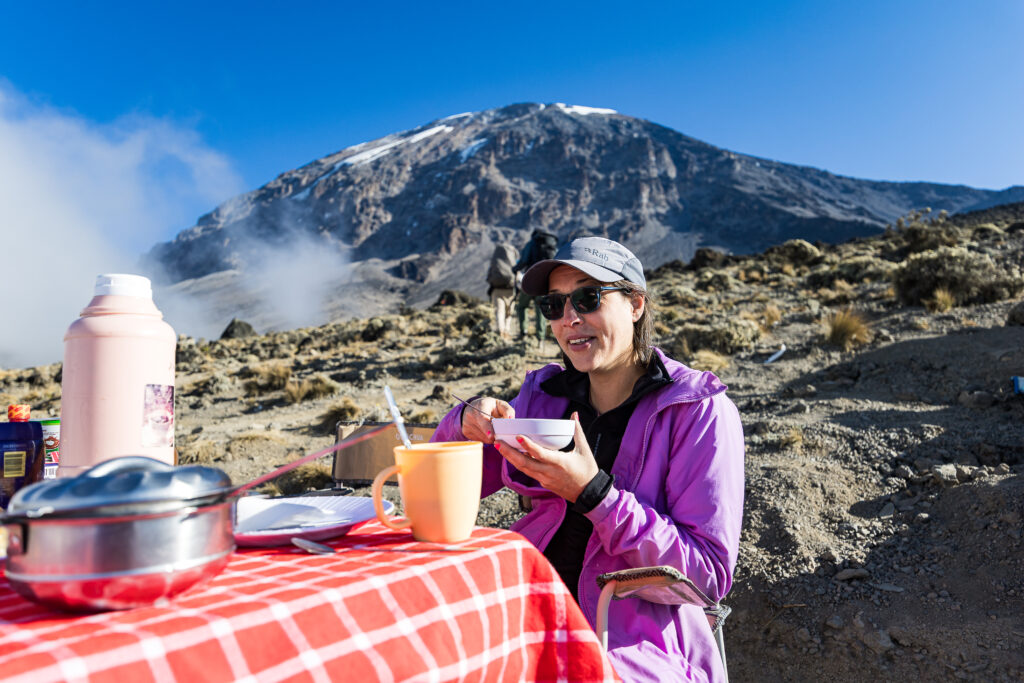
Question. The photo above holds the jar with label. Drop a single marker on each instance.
(21, 447)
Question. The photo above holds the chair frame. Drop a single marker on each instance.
(665, 585)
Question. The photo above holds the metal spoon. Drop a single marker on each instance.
(399, 422)
(321, 549)
(470, 405)
(313, 546)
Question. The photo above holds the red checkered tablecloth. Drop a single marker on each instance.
(499, 613)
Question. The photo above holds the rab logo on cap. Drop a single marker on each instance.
(596, 254)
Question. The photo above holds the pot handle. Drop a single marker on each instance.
(17, 541)
(128, 463)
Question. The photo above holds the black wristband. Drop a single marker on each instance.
(594, 492)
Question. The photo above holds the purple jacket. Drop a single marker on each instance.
(677, 500)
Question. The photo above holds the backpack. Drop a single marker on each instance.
(499, 274)
(547, 245)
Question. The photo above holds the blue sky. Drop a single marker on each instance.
(885, 90)
(122, 122)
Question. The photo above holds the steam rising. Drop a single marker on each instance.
(79, 198)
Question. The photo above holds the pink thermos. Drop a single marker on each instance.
(117, 389)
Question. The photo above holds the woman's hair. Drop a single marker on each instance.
(643, 329)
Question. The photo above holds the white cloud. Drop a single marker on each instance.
(79, 198)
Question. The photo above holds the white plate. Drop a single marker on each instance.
(275, 521)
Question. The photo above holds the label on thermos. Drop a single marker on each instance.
(158, 416)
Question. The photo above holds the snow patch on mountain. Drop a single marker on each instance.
(583, 111)
(471, 149)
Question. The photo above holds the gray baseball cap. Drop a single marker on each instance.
(600, 258)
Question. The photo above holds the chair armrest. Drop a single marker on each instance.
(662, 584)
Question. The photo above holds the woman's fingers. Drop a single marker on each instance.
(476, 425)
(517, 458)
(503, 409)
(580, 437)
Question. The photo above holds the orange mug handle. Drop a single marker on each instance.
(378, 501)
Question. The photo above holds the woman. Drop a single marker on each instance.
(655, 472)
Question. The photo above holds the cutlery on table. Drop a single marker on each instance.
(321, 549)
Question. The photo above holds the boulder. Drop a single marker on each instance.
(795, 252)
(238, 329)
(1016, 314)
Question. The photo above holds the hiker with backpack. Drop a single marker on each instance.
(542, 245)
(501, 283)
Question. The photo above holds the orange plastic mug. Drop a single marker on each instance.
(440, 488)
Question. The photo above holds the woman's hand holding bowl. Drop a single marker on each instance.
(563, 473)
(476, 426)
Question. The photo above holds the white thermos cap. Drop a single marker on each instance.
(120, 284)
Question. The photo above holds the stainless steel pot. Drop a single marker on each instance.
(129, 532)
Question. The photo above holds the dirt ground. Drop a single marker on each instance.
(884, 499)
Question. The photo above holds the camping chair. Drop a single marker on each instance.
(665, 585)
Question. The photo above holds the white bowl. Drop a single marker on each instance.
(552, 434)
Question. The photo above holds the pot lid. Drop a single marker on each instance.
(127, 480)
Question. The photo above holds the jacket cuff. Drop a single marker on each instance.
(594, 492)
(606, 506)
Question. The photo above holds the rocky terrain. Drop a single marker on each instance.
(411, 214)
(885, 449)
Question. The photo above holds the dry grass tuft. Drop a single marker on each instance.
(202, 452)
(258, 437)
(309, 477)
(310, 389)
(712, 361)
(267, 378)
(793, 439)
(847, 329)
(345, 410)
(771, 316)
(942, 300)
(423, 417)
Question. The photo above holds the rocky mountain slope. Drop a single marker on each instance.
(885, 465)
(416, 212)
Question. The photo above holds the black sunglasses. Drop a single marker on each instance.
(583, 300)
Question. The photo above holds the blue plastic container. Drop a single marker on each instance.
(21, 455)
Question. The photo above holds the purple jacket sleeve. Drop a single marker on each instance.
(703, 492)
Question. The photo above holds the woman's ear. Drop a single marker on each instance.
(638, 302)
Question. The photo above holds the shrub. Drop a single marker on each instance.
(316, 387)
(855, 269)
(201, 452)
(267, 378)
(942, 300)
(344, 411)
(771, 316)
(970, 277)
(922, 237)
(732, 336)
(794, 439)
(706, 359)
(841, 292)
(847, 329)
(716, 281)
(309, 477)
(794, 251)
(423, 417)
